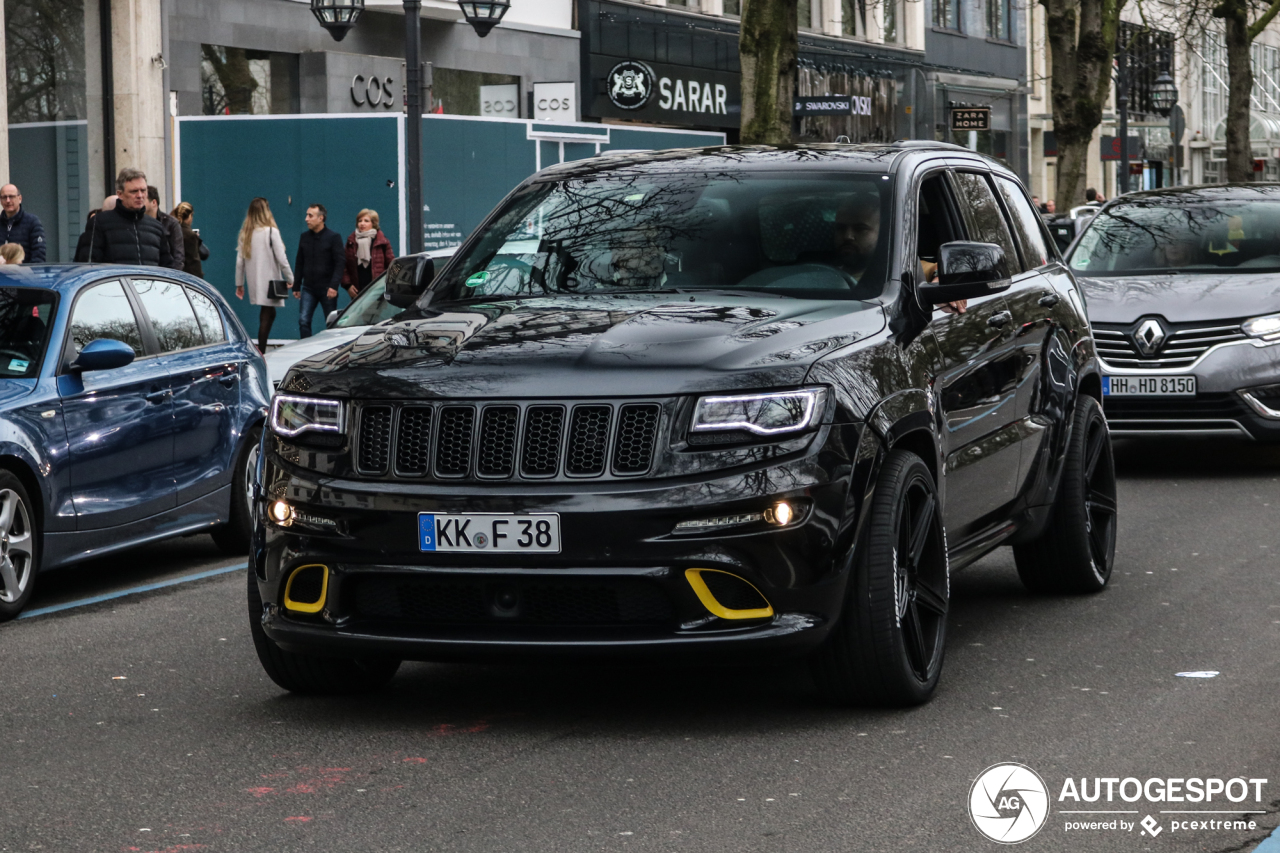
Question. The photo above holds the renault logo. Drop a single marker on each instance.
(1149, 336)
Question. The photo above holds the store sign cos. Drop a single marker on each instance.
(372, 91)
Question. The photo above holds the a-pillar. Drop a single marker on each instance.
(138, 71)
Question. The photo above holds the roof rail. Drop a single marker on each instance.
(928, 143)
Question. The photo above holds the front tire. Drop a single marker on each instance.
(887, 647)
(19, 546)
(313, 674)
(234, 536)
(1076, 551)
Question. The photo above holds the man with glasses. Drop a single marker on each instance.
(20, 226)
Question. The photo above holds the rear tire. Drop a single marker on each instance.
(1076, 551)
(887, 647)
(313, 674)
(19, 546)
(234, 536)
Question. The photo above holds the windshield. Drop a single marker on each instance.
(816, 236)
(26, 314)
(1211, 237)
(370, 307)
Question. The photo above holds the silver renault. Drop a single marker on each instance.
(1183, 290)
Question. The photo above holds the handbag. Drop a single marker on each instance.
(204, 250)
(277, 288)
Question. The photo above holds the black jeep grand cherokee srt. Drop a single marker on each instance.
(728, 401)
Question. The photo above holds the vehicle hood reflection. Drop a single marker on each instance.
(595, 345)
(1181, 298)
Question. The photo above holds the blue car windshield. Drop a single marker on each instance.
(808, 235)
(26, 313)
(1162, 238)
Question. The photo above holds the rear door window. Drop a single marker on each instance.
(985, 218)
(171, 314)
(1026, 223)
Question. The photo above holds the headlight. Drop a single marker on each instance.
(291, 416)
(762, 414)
(1266, 327)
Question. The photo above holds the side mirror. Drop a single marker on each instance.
(407, 278)
(966, 271)
(103, 354)
(331, 319)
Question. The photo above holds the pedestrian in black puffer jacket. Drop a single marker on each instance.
(18, 225)
(127, 235)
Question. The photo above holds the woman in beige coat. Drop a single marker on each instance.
(260, 257)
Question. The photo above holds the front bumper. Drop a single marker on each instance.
(620, 585)
(1219, 406)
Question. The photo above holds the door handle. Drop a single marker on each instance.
(159, 396)
(229, 380)
(1049, 300)
(999, 319)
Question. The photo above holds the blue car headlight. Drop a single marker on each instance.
(769, 414)
(292, 416)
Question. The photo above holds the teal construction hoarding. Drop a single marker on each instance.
(352, 162)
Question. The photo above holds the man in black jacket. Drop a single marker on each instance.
(317, 269)
(125, 234)
(173, 229)
(20, 226)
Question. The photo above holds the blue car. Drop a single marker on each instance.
(131, 408)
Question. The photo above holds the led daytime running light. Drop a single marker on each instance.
(744, 412)
(292, 416)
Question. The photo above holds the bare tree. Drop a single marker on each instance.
(1240, 34)
(1082, 44)
(767, 48)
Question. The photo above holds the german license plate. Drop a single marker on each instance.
(1149, 386)
(480, 532)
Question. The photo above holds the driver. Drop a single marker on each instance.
(857, 233)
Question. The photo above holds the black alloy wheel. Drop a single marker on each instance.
(887, 647)
(313, 674)
(1076, 552)
(19, 546)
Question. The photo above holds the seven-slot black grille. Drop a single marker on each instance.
(457, 441)
(1183, 345)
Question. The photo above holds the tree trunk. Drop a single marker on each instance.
(767, 47)
(1082, 43)
(1239, 87)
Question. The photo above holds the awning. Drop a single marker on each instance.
(1264, 129)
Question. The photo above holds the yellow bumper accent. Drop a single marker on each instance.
(694, 577)
(305, 606)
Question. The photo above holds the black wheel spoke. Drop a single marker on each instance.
(922, 526)
(930, 601)
(1100, 503)
(1093, 452)
(913, 637)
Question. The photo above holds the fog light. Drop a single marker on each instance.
(281, 513)
(780, 514)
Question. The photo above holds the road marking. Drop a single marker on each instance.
(133, 590)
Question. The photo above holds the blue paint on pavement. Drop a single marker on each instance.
(133, 590)
(1270, 845)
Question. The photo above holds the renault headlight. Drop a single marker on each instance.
(292, 416)
(1266, 327)
(771, 414)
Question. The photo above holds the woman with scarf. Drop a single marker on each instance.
(368, 253)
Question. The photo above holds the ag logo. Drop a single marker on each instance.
(630, 84)
(1008, 803)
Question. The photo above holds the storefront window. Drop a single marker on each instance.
(236, 81)
(458, 92)
(891, 21)
(874, 105)
(55, 113)
(946, 14)
(804, 14)
(733, 7)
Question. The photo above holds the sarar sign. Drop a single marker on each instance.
(671, 94)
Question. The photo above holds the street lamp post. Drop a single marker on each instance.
(339, 16)
(1164, 95)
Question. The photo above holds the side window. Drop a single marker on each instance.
(1026, 223)
(103, 311)
(209, 316)
(171, 315)
(986, 219)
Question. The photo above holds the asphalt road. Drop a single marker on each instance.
(144, 723)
